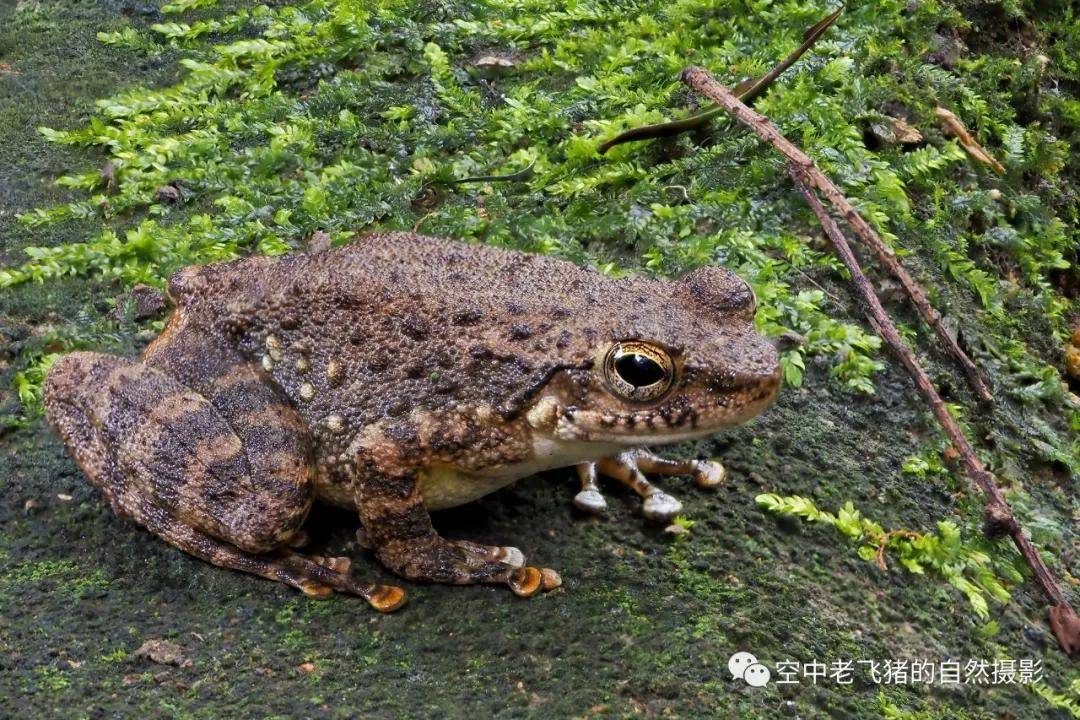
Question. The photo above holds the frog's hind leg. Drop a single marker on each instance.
(630, 467)
(165, 456)
(315, 577)
(398, 528)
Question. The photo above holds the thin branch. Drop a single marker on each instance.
(700, 80)
(1000, 519)
(746, 91)
(969, 143)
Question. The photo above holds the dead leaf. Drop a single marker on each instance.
(905, 133)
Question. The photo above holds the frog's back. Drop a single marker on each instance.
(452, 274)
(437, 272)
(429, 323)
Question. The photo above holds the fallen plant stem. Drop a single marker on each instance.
(1000, 519)
(519, 176)
(746, 91)
(879, 554)
(700, 80)
(954, 125)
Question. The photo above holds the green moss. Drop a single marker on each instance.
(52, 679)
(118, 655)
(977, 567)
(35, 572)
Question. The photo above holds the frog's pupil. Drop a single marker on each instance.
(638, 370)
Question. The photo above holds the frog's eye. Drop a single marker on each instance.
(636, 370)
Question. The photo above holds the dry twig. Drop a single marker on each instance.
(969, 143)
(1000, 519)
(700, 80)
(747, 91)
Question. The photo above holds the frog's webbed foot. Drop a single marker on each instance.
(630, 467)
(315, 576)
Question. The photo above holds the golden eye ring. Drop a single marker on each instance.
(638, 371)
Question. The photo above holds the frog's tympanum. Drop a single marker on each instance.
(394, 376)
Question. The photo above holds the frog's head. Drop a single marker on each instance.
(681, 365)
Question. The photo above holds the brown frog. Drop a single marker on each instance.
(397, 375)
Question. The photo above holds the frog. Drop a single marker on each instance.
(399, 374)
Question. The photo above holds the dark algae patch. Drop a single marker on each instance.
(208, 130)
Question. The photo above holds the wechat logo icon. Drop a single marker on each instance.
(745, 666)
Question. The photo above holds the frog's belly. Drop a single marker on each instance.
(441, 487)
(444, 486)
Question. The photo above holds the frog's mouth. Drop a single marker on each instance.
(688, 417)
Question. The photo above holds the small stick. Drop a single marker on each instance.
(519, 176)
(700, 81)
(969, 143)
(1000, 519)
(746, 91)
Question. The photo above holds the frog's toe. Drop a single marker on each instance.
(504, 554)
(660, 506)
(337, 564)
(316, 589)
(550, 579)
(512, 557)
(386, 598)
(526, 581)
(590, 501)
(709, 473)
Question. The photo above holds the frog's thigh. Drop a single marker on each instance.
(171, 447)
(164, 457)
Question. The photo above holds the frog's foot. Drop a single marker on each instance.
(315, 576)
(434, 559)
(590, 499)
(506, 554)
(630, 467)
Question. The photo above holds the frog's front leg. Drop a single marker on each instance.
(630, 467)
(397, 526)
